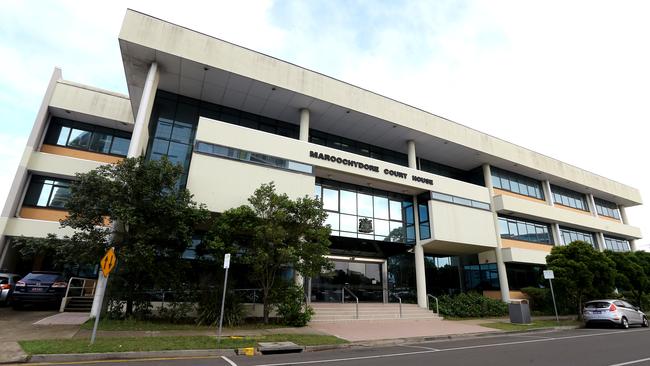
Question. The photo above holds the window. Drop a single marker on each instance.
(569, 198)
(251, 157)
(47, 192)
(519, 229)
(570, 235)
(83, 136)
(516, 183)
(423, 216)
(357, 147)
(616, 244)
(606, 208)
(364, 213)
(522, 275)
(459, 201)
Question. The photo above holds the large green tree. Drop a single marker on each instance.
(581, 273)
(137, 207)
(632, 273)
(274, 232)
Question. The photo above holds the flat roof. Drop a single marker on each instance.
(207, 68)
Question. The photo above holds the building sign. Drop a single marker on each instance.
(365, 225)
(369, 167)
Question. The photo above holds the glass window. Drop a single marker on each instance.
(570, 235)
(182, 132)
(382, 227)
(330, 199)
(83, 136)
(101, 142)
(381, 207)
(606, 208)
(365, 205)
(348, 223)
(517, 183)
(120, 146)
(178, 153)
(348, 202)
(569, 198)
(317, 192)
(63, 136)
(616, 244)
(47, 192)
(79, 138)
(519, 229)
(395, 210)
(332, 220)
(164, 129)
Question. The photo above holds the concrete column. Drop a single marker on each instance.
(623, 213)
(420, 268)
(413, 162)
(140, 135)
(592, 204)
(548, 193)
(501, 266)
(557, 235)
(600, 241)
(304, 124)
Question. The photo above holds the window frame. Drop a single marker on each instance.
(41, 179)
(59, 124)
(517, 183)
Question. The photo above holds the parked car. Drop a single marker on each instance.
(39, 288)
(613, 312)
(7, 283)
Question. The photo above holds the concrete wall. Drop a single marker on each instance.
(460, 224)
(60, 165)
(92, 102)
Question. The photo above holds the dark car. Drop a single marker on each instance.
(46, 288)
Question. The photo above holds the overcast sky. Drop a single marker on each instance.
(569, 79)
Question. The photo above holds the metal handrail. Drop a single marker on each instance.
(353, 295)
(428, 304)
(83, 287)
(400, 304)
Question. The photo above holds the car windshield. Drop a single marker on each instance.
(4, 280)
(42, 277)
(597, 305)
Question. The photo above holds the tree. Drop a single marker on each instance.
(274, 232)
(630, 273)
(137, 207)
(581, 272)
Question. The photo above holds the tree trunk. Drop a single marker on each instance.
(266, 309)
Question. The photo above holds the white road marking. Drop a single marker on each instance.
(631, 362)
(421, 347)
(229, 361)
(548, 339)
(528, 336)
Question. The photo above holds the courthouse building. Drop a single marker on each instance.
(417, 204)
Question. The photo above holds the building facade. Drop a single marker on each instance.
(417, 204)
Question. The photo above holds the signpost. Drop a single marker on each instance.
(549, 275)
(226, 265)
(107, 264)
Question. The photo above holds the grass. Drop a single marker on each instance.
(535, 325)
(131, 344)
(149, 325)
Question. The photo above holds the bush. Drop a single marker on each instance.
(176, 312)
(209, 309)
(471, 304)
(291, 306)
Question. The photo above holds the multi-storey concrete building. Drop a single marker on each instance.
(417, 204)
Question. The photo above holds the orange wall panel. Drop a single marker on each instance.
(498, 191)
(46, 214)
(510, 243)
(80, 154)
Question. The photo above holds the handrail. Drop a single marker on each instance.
(83, 287)
(400, 304)
(343, 289)
(428, 304)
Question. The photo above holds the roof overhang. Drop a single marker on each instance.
(206, 68)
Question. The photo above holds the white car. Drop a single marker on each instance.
(7, 284)
(613, 312)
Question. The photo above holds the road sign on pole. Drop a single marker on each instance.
(549, 275)
(226, 266)
(107, 263)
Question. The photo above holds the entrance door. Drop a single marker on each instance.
(366, 279)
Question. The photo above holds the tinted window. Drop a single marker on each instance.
(84, 136)
(4, 280)
(516, 183)
(597, 305)
(42, 277)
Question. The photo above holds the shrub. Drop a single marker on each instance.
(176, 311)
(471, 304)
(291, 306)
(209, 309)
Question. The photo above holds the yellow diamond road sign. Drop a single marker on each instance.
(108, 262)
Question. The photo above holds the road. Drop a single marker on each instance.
(593, 347)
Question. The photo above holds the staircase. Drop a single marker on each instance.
(333, 312)
(79, 304)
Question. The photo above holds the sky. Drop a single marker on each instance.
(568, 79)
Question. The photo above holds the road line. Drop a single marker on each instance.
(631, 362)
(422, 347)
(528, 336)
(229, 361)
(447, 349)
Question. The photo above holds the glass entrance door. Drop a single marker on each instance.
(366, 280)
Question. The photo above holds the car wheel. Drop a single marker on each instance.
(624, 323)
(645, 322)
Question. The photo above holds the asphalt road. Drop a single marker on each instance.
(593, 347)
